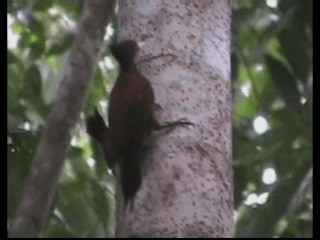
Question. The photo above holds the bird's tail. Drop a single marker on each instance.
(131, 173)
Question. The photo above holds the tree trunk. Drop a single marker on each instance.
(41, 185)
(187, 188)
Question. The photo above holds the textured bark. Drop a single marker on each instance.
(186, 188)
(42, 181)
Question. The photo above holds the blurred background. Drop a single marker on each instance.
(272, 117)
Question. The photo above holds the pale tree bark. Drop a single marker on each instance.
(187, 183)
(42, 181)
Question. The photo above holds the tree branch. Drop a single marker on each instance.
(42, 181)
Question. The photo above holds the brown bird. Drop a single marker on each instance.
(131, 119)
(130, 116)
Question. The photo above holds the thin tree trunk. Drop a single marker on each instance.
(187, 188)
(42, 181)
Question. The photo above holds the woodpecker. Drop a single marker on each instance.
(131, 119)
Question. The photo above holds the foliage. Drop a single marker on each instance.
(272, 74)
(40, 37)
(272, 79)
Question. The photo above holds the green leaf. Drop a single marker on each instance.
(20, 153)
(97, 90)
(285, 82)
(32, 91)
(14, 122)
(100, 203)
(57, 229)
(74, 207)
(32, 80)
(304, 191)
(72, 7)
(100, 166)
(32, 85)
(12, 58)
(64, 44)
(79, 165)
(15, 89)
(33, 36)
(18, 28)
(246, 107)
(42, 5)
(296, 52)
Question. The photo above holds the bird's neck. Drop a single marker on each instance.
(127, 66)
